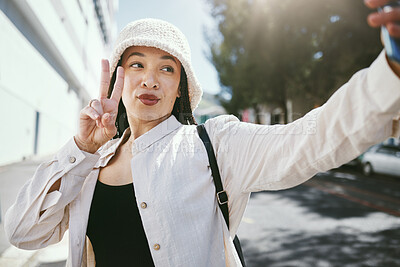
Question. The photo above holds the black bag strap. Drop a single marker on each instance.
(222, 196)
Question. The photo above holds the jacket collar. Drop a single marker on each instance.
(154, 135)
(163, 129)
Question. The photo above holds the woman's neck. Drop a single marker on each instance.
(139, 127)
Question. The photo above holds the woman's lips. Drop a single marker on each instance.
(149, 99)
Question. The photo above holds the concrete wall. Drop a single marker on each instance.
(49, 69)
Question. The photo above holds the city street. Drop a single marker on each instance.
(338, 218)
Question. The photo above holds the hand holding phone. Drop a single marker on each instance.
(392, 44)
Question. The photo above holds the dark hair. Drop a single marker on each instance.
(181, 110)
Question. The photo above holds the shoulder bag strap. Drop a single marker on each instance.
(222, 196)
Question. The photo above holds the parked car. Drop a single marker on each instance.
(381, 158)
(355, 163)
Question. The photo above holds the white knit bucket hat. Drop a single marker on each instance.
(162, 35)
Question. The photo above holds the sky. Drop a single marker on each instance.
(192, 17)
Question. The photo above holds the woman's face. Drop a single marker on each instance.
(151, 83)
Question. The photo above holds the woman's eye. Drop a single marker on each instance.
(137, 65)
(168, 69)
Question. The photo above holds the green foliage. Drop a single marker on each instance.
(272, 50)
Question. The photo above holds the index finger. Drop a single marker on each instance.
(376, 3)
(119, 84)
(104, 78)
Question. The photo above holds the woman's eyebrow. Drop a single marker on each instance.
(143, 55)
(136, 54)
(169, 57)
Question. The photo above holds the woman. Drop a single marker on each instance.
(147, 196)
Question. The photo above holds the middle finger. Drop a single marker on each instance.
(119, 84)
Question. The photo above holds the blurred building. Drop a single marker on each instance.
(50, 53)
(273, 114)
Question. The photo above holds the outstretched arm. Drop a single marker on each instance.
(262, 157)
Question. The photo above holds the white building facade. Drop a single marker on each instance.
(50, 54)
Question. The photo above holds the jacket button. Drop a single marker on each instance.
(143, 205)
(72, 159)
(156, 246)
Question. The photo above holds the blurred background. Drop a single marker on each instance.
(265, 61)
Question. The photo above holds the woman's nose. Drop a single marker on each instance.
(150, 81)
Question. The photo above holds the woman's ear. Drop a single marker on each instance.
(179, 92)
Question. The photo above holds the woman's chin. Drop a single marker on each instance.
(151, 117)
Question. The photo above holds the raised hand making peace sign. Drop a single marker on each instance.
(97, 119)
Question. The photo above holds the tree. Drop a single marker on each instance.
(271, 50)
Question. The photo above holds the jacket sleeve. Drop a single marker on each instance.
(23, 224)
(261, 157)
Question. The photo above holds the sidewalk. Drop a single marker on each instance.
(52, 256)
(12, 178)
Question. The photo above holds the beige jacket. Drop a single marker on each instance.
(170, 173)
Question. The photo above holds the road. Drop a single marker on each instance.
(338, 218)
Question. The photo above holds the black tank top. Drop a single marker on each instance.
(115, 228)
